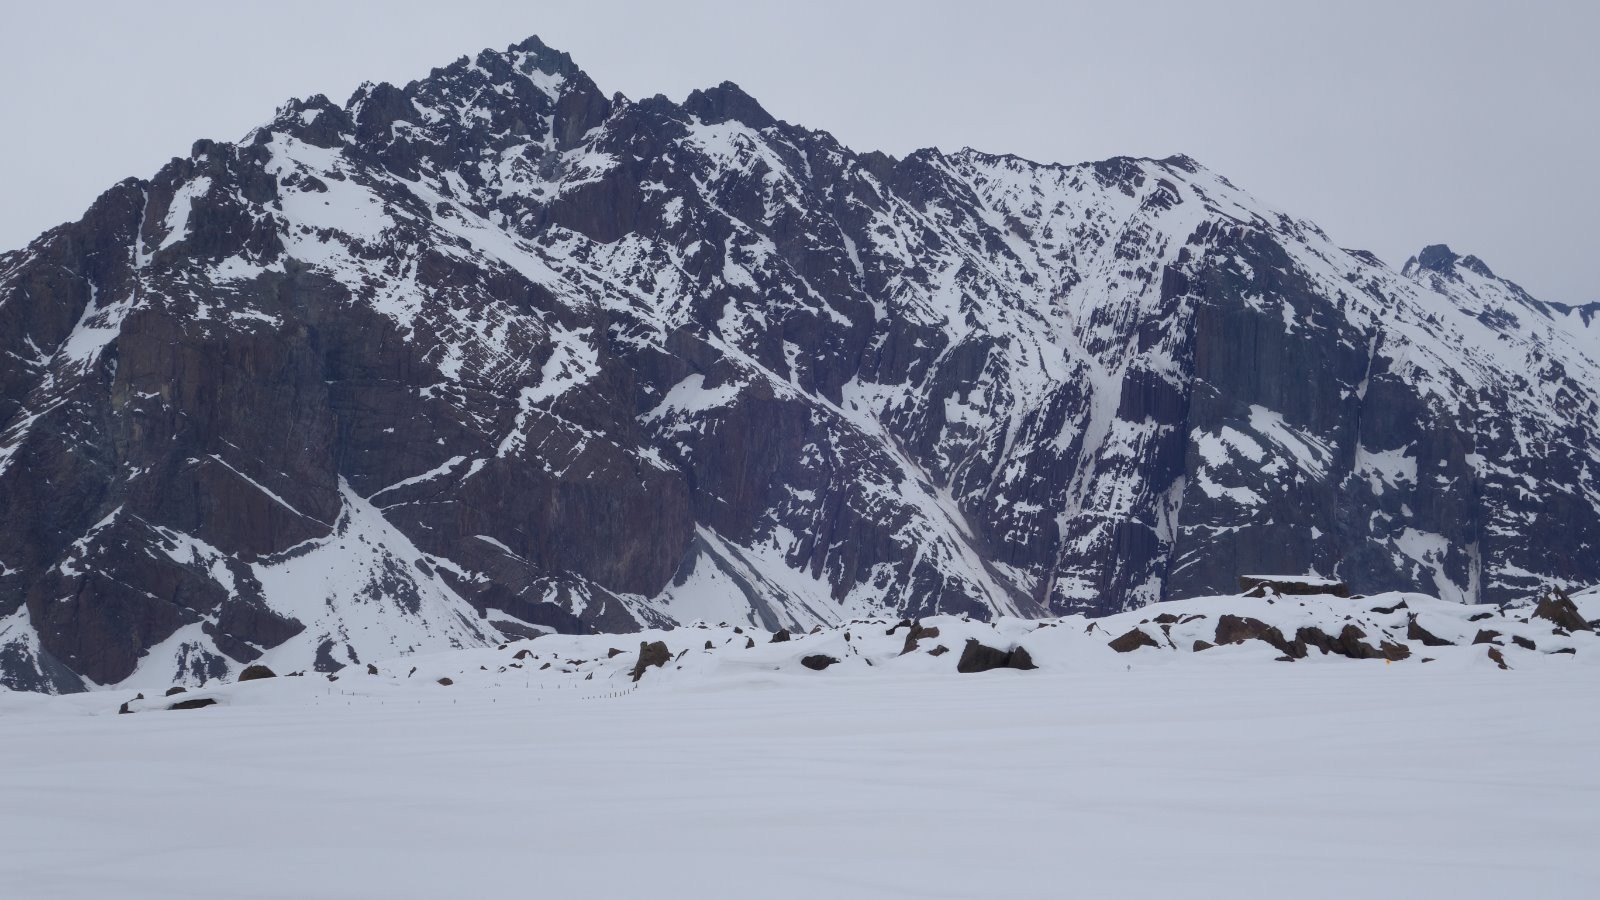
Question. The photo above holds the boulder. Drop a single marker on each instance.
(977, 657)
(817, 662)
(1498, 657)
(779, 636)
(1238, 629)
(1351, 644)
(1202, 645)
(1487, 637)
(915, 634)
(1523, 642)
(1415, 632)
(256, 673)
(652, 653)
(937, 651)
(1133, 640)
(1555, 606)
(1393, 652)
(372, 669)
(174, 691)
(197, 703)
(446, 681)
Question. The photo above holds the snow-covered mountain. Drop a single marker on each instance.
(494, 354)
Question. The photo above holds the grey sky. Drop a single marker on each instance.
(1390, 124)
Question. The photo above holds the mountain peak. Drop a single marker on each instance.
(1435, 257)
(1441, 259)
(728, 102)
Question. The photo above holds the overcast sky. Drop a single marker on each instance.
(1393, 124)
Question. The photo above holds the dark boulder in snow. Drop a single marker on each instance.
(978, 657)
(174, 691)
(1415, 632)
(915, 634)
(651, 653)
(1238, 629)
(781, 635)
(817, 662)
(1351, 642)
(1487, 637)
(1133, 640)
(256, 672)
(196, 703)
(1555, 606)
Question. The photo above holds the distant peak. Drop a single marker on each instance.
(1437, 258)
(728, 102)
(1182, 161)
(532, 45)
(1440, 258)
(542, 55)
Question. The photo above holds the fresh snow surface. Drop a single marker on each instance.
(733, 772)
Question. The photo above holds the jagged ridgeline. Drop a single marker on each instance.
(496, 353)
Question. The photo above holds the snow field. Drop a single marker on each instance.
(741, 774)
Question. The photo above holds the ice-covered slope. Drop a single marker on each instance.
(577, 362)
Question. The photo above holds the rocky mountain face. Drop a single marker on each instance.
(495, 354)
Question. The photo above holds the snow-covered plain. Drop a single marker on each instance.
(732, 773)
